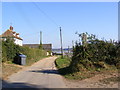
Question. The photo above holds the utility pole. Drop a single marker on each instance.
(68, 49)
(40, 37)
(40, 40)
(61, 42)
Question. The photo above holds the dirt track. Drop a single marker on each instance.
(94, 82)
(42, 74)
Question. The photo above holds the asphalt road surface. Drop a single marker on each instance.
(42, 74)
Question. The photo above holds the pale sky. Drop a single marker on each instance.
(29, 18)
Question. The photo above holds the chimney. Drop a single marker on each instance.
(17, 34)
(11, 28)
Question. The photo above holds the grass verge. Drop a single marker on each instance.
(65, 70)
(9, 69)
(62, 62)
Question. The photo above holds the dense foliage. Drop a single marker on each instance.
(10, 50)
(94, 53)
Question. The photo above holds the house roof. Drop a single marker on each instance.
(10, 33)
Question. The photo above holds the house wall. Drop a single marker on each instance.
(18, 42)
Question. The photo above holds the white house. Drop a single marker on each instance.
(13, 34)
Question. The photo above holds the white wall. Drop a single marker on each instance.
(18, 42)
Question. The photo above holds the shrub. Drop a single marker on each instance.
(10, 50)
(95, 53)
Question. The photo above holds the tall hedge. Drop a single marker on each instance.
(94, 52)
(10, 50)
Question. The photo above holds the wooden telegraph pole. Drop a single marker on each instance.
(68, 49)
(40, 37)
(40, 40)
(61, 42)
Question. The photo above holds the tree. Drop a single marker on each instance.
(10, 49)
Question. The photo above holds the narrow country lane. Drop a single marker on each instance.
(42, 74)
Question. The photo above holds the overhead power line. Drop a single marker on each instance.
(45, 14)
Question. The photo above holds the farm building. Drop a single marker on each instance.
(47, 47)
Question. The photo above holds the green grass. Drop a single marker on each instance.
(63, 67)
(62, 62)
(65, 70)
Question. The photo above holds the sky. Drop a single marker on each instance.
(29, 18)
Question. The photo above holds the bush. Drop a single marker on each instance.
(33, 54)
(94, 54)
(10, 50)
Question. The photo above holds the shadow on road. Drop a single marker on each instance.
(46, 71)
(20, 86)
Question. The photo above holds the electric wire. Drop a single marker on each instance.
(47, 16)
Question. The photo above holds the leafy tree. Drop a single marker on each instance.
(10, 49)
